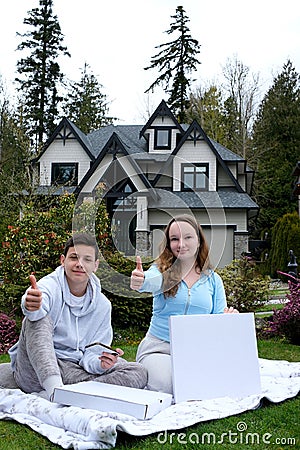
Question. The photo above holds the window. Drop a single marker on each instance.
(194, 177)
(64, 173)
(162, 138)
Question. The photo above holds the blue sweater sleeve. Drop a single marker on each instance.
(219, 296)
(153, 281)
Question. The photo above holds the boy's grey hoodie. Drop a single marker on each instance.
(74, 326)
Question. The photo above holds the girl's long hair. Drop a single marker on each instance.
(168, 264)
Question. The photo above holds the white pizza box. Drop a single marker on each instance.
(140, 403)
(214, 355)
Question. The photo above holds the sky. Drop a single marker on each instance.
(117, 39)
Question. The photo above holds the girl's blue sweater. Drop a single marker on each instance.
(206, 296)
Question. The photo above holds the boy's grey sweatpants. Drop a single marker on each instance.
(37, 362)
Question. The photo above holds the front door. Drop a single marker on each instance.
(121, 207)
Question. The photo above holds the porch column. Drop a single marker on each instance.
(240, 243)
(142, 227)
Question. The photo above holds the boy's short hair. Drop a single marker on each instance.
(82, 239)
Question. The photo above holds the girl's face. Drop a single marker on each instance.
(184, 241)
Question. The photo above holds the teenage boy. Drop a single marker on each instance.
(64, 313)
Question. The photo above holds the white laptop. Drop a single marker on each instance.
(214, 355)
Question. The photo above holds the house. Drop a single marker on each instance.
(152, 172)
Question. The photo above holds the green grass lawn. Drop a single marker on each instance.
(271, 307)
(276, 424)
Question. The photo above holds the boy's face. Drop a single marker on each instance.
(79, 263)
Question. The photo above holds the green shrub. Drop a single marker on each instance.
(285, 236)
(246, 290)
(130, 309)
(35, 242)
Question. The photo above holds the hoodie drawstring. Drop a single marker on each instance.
(77, 333)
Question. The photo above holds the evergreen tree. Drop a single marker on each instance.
(231, 125)
(176, 61)
(206, 106)
(15, 177)
(85, 104)
(40, 73)
(276, 148)
(285, 237)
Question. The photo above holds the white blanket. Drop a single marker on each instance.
(82, 429)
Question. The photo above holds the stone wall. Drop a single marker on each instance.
(240, 243)
(143, 247)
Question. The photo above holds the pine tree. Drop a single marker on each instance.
(176, 61)
(40, 74)
(85, 104)
(206, 106)
(15, 177)
(285, 237)
(276, 147)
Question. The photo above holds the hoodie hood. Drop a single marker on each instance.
(89, 302)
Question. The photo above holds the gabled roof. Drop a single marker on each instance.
(223, 199)
(114, 146)
(60, 132)
(229, 156)
(195, 133)
(225, 153)
(129, 135)
(161, 111)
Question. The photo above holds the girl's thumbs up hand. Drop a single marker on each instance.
(139, 265)
(33, 299)
(137, 275)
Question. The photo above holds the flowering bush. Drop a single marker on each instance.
(246, 290)
(286, 322)
(8, 333)
(35, 242)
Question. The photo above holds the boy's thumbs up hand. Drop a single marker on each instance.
(33, 299)
(137, 275)
(33, 281)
